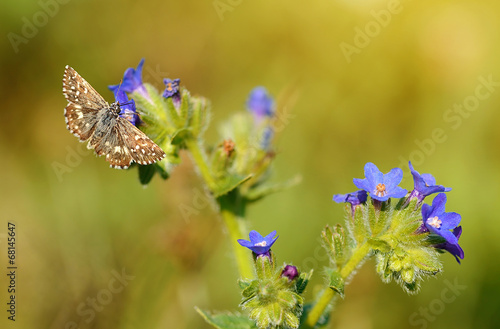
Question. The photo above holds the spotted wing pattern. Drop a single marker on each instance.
(89, 117)
(83, 104)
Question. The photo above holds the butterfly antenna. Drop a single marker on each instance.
(118, 90)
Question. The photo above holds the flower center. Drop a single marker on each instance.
(380, 190)
(169, 86)
(434, 222)
(261, 244)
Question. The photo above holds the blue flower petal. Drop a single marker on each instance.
(260, 103)
(381, 187)
(424, 185)
(255, 236)
(171, 87)
(398, 192)
(132, 81)
(258, 244)
(393, 178)
(373, 175)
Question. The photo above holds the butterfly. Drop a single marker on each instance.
(89, 117)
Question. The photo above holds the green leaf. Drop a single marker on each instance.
(360, 227)
(408, 275)
(180, 135)
(379, 244)
(229, 183)
(146, 173)
(264, 268)
(251, 289)
(185, 108)
(275, 312)
(337, 283)
(162, 172)
(227, 320)
(382, 219)
(263, 190)
(302, 281)
(201, 115)
(291, 320)
(426, 259)
(172, 114)
(244, 283)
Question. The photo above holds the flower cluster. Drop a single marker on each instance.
(381, 187)
(132, 83)
(273, 299)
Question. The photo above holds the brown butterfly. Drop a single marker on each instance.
(90, 117)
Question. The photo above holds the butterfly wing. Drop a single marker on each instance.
(122, 143)
(84, 102)
(109, 141)
(142, 149)
(88, 116)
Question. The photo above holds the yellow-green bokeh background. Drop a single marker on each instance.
(73, 233)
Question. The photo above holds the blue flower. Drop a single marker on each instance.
(354, 198)
(381, 187)
(453, 249)
(260, 103)
(172, 87)
(172, 90)
(127, 107)
(258, 244)
(132, 81)
(439, 222)
(424, 185)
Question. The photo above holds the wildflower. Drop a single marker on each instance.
(381, 186)
(453, 249)
(172, 90)
(258, 244)
(290, 272)
(260, 103)
(127, 107)
(354, 198)
(439, 222)
(424, 185)
(132, 81)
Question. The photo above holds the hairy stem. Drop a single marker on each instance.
(235, 227)
(233, 213)
(232, 209)
(199, 158)
(328, 294)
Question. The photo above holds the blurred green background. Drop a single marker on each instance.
(382, 103)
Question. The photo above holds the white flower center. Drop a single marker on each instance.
(261, 244)
(434, 222)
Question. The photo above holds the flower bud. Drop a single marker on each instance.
(290, 272)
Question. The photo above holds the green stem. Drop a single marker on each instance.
(232, 210)
(237, 230)
(328, 294)
(199, 158)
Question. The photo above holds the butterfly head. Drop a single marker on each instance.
(115, 108)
